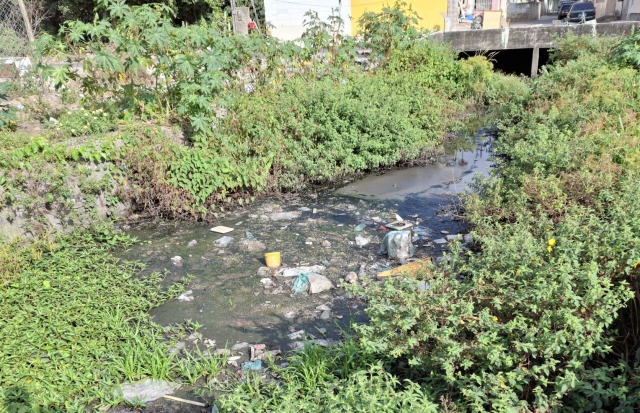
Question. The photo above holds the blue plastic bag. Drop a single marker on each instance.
(301, 283)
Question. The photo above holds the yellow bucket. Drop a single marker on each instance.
(272, 259)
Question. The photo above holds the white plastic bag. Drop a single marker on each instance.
(397, 244)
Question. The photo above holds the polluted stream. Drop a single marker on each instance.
(239, 302)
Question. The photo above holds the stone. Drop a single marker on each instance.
(239, 346)
(234, 358)
(376, 219)
(263, 271)
(351, 277)
(468, 238)
(177, 261)
(283, 216)
(222, 352)
(223, 242)
(319, 283)
(315, 211)
(439, 241)
(145, 391)
(326, 314)
(192, 243)
(290, 314)
(248, 245)
(362, 241)
(451, 238)
(323, 308)
(326, 244)
(444, 232)
(305, 209)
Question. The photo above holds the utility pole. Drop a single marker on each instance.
(27, 22)
(233, 16)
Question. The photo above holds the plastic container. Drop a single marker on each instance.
(272, 259)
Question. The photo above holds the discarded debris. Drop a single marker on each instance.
(221, 229)
(359, 227)
(323, 308)
(249, 236)
(177, 261)
(186, 296)
(272, 259)
(290, 314)
(326, 314)
(145, 391)
(301, 283)
(296, 335)
(326, 244)
(192, 243)
(412, 269)
(293, 272)
(451, 238)
(255, 365)
(223, 242)
(267, 282)
(362, 241)
(397, 245)
(399, 225)
(282, 216)
(439, 241)
(178, 399)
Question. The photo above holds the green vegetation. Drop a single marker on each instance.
(75, 322)
(539, 314)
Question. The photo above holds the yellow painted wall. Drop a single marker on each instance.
(429, 10)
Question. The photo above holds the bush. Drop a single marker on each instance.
(543, 314)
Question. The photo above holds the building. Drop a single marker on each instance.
(287, 16)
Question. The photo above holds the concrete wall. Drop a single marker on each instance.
(288, 16)
(528, 37)
(522, 12)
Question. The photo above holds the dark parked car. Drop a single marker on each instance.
(563, 9)
(584, 10)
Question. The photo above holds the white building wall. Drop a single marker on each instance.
(287, 16)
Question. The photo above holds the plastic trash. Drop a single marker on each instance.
(250, 236)
(301, 283)
(255, 365)
(397, 245)
(360, 227)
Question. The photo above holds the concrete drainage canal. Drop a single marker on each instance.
(247, 311)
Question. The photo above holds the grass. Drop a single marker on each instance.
(75, 323)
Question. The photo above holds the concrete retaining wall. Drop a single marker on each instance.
(522, 12)
(528, 37)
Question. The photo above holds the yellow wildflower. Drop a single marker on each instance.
(495, 319)
(552, 242)
(549, 248)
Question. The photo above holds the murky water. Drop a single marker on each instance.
(229, 299)
(448, 176)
